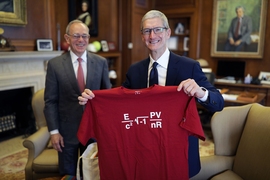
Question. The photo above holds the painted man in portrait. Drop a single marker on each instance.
(239, 31)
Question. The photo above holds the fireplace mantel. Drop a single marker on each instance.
(24, 69)
(31, 55)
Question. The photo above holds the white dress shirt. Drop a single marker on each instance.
(75, 63)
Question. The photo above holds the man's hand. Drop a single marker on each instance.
(231, 41)
(57, 141)
(87, 94)
(191, 88)
(237, 43)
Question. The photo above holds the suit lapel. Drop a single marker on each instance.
(143, 72)
(90, 70)
(69, 70)
(172, 70)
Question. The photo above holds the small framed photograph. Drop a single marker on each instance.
(44, 45)
(186, 44)
(104, 46)
(112, 46)
(172, 43)
(264, 77)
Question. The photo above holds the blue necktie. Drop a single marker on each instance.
(153, 79)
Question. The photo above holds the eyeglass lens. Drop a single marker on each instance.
(156, 30)
(77, 36)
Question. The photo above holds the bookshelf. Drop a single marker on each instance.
(114, 64)
(179, 41)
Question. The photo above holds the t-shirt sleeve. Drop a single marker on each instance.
(85, 129)
(191, 120)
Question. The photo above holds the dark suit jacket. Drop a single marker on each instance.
(62, 110)
(179, 68)
(245, 29)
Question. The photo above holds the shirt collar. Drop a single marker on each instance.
(74, 57)
(163, 60)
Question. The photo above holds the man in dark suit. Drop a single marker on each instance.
(173, 70)
(239, 31)
(62, 111)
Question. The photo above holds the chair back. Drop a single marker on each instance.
(253, 157)
(38, 107)
(227, 126)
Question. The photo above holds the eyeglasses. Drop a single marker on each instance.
(78, 36)
(157, 30)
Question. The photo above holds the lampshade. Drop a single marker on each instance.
(203, 62)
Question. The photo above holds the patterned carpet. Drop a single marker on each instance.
(12, 166)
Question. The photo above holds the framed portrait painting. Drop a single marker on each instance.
(87, 12)
(13, 12)
(238, 28)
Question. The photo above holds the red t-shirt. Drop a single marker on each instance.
(142, 134)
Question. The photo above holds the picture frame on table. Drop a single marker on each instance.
(251, 30)
(77, 11)
(264, 77)
(44, 45)
(13, 12)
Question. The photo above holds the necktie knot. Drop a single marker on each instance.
(80, 60)
(155, 65)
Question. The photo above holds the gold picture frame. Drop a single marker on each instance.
(224, 13)
(75, 9)
(17, 16)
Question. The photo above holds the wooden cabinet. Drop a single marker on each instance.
(114, 63)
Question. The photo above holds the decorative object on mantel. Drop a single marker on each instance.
(4, 43)
(44, 45)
